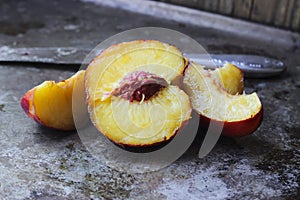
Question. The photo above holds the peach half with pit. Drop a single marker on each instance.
(129, 93)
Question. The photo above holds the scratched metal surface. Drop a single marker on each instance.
(39, 163)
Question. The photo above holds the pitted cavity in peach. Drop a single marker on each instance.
(140, 86)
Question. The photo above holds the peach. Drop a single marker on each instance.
(231, 78)
(130, 99)
(50, 103)
(221, 103)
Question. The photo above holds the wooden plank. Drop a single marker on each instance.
(226, 7)
(288, 15)
(296, 16)
(280, 12)
(201, 4)
(212, 5)
(263, 11)
(242, 8)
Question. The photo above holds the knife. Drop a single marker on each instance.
(253, 66)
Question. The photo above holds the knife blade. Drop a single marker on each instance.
(253, 66)
(48, 55)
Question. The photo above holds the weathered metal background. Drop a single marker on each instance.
(279, 13)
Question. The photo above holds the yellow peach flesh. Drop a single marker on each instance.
(50, 103)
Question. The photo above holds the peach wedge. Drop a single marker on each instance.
(50, 103)
(230, 77)
(221, 103)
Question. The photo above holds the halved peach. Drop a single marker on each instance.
(129, 96)
(50, 103)
(241, 114)
(107, 70)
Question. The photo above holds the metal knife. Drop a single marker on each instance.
(253, 66)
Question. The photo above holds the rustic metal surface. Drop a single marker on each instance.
(40, 163)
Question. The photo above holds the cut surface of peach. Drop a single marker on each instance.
(144, 123)
(105, 72)
(129, 96)
(50, 103)
(241, 114)
(231, 78)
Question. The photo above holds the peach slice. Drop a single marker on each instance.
(231, 78)
(129, 96)
(50, 103)
(241, 114)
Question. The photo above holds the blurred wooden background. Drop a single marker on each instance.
(279, 13)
